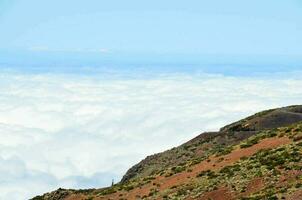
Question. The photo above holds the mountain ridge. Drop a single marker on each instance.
(158, 176)
(265, 120)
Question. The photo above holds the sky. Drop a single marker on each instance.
(234, 27)
(89, 88)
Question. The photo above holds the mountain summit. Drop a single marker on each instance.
(259, 157)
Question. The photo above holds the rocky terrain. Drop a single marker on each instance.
(259, 157)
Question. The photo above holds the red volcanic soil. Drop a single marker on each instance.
(296, 195)
(255, 185)
(184, 177)
(219, 194)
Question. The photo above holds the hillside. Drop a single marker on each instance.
(259, 157)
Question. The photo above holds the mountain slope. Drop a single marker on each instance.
(255, 158)
(231, 134)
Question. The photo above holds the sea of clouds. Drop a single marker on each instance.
(82, 131)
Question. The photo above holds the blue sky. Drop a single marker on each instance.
(232, 37)
(192, 27)
(89, 88)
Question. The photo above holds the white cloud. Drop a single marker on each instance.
(77, 131)
(42, 48)
(39, 48)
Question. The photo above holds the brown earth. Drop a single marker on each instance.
(184, 177)
(209, 152)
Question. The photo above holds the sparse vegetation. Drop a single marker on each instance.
(274, 171)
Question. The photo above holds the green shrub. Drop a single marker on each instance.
(178, 169)
(107, 191)
(230, 170)
(208, 173)
(249, 143)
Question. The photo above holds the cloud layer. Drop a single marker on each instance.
(76, 131)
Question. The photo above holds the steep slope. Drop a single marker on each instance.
(255, 158)
(231, 134)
